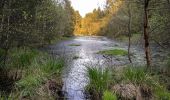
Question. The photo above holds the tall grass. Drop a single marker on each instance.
(136, 75)
(148, 83)
(37, 68)
(21, 58)
(98, 81)
(42, 69)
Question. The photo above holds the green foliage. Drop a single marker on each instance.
(34, 22)
(109, 96)
(99, 79)
(114, 52)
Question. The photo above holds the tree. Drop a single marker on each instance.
(146, 33)
(33, 23)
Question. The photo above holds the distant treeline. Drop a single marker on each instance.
(119, 15)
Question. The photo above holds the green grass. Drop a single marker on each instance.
(42, 68)
(53, 66)
(74, 45)
(139, 76)
(162, 94)
(98, 81)
(37, 75)
(114, 52)
(109, 96)
(21, 58)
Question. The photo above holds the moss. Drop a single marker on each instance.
(114, 52)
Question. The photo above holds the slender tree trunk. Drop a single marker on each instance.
(129, 32)
(146, 34)
(2, 22)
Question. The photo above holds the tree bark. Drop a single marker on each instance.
(129, 32)
(146, 34)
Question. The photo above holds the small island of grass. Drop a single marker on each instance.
(114, 52)
(74, 45)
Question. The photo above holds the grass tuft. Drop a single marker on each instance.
(99, 81)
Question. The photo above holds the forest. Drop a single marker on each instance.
(49, 51)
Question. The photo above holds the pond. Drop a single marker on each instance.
(81, 52)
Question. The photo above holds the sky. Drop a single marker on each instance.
(86, 6)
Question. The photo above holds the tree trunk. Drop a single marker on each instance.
(146, 34)
(129, 32)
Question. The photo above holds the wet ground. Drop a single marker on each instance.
(80, 53)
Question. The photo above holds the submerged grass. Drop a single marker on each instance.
(114, 52)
